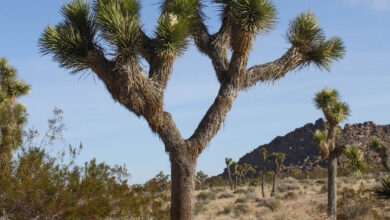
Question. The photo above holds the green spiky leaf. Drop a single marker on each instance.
(120, 25)
(253, 15)
(171, 35)
(304, 33)
(325, 98)
(383, 191)
(376, 145)
(71, 39)
(354, 159)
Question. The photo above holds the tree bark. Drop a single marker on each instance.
(273, 185)
(230, 177)
(262, 182)
(332, 187)
(384, 155)
(183, 184)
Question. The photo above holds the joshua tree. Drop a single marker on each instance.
(265, 156)
(383, 191)
(12, 114)
(236, 167)
(354, 159)
(162, 180)
(246, 168)
(335, 112)
(201, 177)
(278, 158)
(383, 150)
(92, 30)
(251, 171)
(228, 162)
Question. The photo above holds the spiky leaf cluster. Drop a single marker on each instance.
(171, 35)
(228, 161)
(376, 145)
(71, 39)
(305, 34)
(278, 158)
(252, 16)
(354, 159)
(320, 138)
(189, 10)
(264, 152)
(335, 111)
(383, 191)
(119, 22)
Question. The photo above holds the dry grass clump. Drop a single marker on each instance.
(272, 204)
(290, 195)
(355, 204)
(240, 191)
(199, 207)
(300, 201)
(225, 196)
(206, 196)
(235, 210)
(241, 200)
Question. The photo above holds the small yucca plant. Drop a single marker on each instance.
(383, 191)
(354, 159)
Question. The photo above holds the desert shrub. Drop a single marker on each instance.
(251, 189)
(206, 196)
(240, 209)
(318, 172)
(252, 196)
(225, 196)
(239, 191)
(254, 182)
(241, 200)
(284, 187)
(227, 210)
(355, 205)
(269, 176)
(290, 195)
(216, 181)
(41, 186)
(297, 174)
(217, 189)
(324, 188)
(199, 207)
(321, 182)
(272, 204)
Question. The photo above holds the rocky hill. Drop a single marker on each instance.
(301, 151)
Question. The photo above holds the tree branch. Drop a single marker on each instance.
(146, 50)
(275, 70)
(216, 46)
(215, 116)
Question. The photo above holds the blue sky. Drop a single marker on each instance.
(112, 134)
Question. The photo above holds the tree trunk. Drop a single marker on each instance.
(262, 182)
(332, 187)
(273, 185)
(230, 177)
(183, 185)
(384, 155)
(236, 184)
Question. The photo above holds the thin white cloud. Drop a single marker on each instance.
(379, 5)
